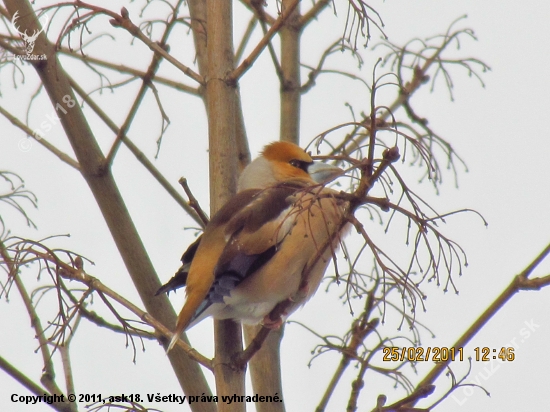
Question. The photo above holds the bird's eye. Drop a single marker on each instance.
(300, 164)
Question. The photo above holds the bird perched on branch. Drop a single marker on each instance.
(269, 245)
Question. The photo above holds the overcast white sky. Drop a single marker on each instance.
(500, 131)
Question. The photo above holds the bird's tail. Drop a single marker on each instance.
(187, 313)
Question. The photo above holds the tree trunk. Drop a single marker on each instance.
(103, 187)
(290, 66)
(221, 104)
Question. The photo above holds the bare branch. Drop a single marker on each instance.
(136, 152)
(153, 67)
(147, 83)
(247, 63)
(48, 376)
(314, 73)
(30, 385)
(14, 197)
(254, 346)
(361, 328)
(193, 201)
(256, 6)
(120, 68)
(246, 38)
(40, 139)
(519, 282)
(421, 65)
(68, 372)
(313, 12)
(359, 17)
(26, 251)
(123, 20)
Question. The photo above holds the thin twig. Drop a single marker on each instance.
(99, 321)
(67, 271)
(272, 54)
(312, 13)
(136, 152)
(146, 84)
(62, 156)
(407, 88)
(153, 67)
(193, 201)
(361, 328)
(97, 285)
(48, 375)
(30, 385)
(246, 38)
(247, 63)
(121, 68)
(123, 21)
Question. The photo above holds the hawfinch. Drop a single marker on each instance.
(271, 242)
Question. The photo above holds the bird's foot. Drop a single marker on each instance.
(272, 324)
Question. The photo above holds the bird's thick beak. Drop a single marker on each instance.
(323, 173)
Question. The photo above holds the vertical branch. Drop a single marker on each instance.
(66, 361)
(243, 152)
(67, 368)
(221, 104)
(372, 132)
(290, 66)
(197, 10)
(265, 367)
(109, 199)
